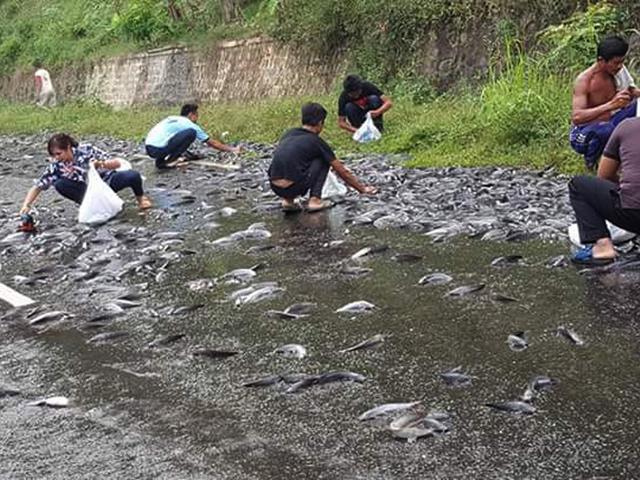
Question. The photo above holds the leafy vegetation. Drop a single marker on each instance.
(519, 116)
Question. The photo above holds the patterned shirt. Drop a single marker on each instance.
(75, 170)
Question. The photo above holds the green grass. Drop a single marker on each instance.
(519, 118)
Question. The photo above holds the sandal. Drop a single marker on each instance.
(291, 208)
(326, 204)
(584, 257)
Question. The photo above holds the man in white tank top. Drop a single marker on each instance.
(44, 88)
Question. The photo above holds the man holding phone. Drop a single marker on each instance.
(603, 96)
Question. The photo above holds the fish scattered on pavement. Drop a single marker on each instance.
(465, 290)
(53, 402)
(570, 335)
(435, 279)
(456, 377)
(516, 407)
(359, 306)
(387, 409)
(291, 350)
(518, 341)
(372, 342)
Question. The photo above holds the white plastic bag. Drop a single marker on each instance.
(333, 187)
(368, 132)
(100, 203)
(618, 235)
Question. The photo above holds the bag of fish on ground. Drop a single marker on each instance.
(368, 132)
(100, 203)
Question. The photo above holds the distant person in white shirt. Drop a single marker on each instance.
(45, 92)
(168, 140)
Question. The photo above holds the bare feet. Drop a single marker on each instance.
(144, 202)
(603, 248)
(316, 204)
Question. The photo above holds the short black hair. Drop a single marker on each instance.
(313, 114)
(611, 47)
(188, 108)
(352, 83)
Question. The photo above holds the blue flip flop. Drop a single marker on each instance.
(584, 256)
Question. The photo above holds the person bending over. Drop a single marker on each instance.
(302, 160)
(68, 169)
(604, 95)
(613, 195)
(358, 98)
(170, 138)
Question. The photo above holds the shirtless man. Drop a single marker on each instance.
(604, 95)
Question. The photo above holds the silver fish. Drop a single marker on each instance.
(435, 279)
(53, 402)
(387, 409)
(516, 407)
(518, 341)
(369, 251)
(291, 350)
(465, 290)
(265, 293)
(359, 306)
(506, 261)
(48, 317)
(372, 342)
(570, 335)
(456, 377)
(107, 337)
(264, 381)
(166, 340)
(411, 434)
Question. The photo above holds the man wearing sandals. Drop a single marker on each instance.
(167, 142)
(613, 195)
(301, 163)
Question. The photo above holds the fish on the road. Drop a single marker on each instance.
(324, 378)
(53, 402)
(214, 353)
(359, 306)
(435, 279)
(371, 342)
(291, 350)
(507, 260)
(518, 341)
(387, 409)
(570, 335)
(456, 377)
(108, 337)
(48, 317)
(465, 290)
(516, 407)
(263, 381)
(369, 251)
(166, 340)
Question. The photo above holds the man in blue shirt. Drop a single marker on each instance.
(171, 138)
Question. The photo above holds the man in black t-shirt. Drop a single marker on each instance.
(302, 160)
(357, 98)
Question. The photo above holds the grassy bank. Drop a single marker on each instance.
(519, 119)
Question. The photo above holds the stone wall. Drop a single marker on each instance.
(234, 70)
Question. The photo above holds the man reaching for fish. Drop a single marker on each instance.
(301, 163)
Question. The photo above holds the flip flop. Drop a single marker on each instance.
(584, 257)
(291, 208)
(326, 204)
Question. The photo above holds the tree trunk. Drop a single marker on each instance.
(231, 10)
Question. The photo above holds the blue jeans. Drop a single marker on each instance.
(117, 181)
(357, 114)
(590, 139)
(177, 145)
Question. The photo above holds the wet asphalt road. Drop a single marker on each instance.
(163, 413)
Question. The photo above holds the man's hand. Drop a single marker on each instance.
(237, 149)
(622, 99)
(369, 190)
(374, 113)
(24, 209)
